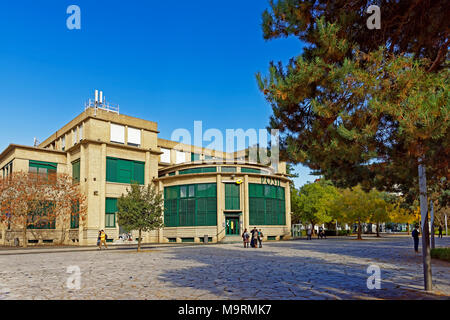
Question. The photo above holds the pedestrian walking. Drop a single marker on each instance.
(440, 231)
(319, 235)
(103, 238)
(98, 239)
(260, 238)
(308, 233)
(415, 235)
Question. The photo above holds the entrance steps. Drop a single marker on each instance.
(231, 239)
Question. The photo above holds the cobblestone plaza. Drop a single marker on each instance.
(317, 269)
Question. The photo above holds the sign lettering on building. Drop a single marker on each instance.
(271, 181)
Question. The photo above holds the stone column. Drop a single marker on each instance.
(161, 230)
(287, 199)
(220, 217)
(246, 211)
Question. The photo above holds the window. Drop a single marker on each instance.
(63, 143)
(190, 205)
(134, 137)
(110, 212)
(7, 170)
(76, 171)
(228, 169)
(117, 133)
(232, 196)
(180, 157)
(74, 136)
(42, 216)
(195, 157)
(198, 170)
(165, 157)
(75, 215)
(80, 132)
(250, 170)
(42, 168)
(125, 171)
(266, 204)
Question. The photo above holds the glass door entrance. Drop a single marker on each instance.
(232, 226)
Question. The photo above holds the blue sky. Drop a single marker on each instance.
(173, 62)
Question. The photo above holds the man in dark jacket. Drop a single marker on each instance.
(415, 235)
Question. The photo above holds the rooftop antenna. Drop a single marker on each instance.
(99, 102)
(36, 142)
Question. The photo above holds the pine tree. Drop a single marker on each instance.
(357, 113)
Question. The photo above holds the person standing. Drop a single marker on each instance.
(440, 231)
(319, 235)
(255, 237)
(245, 236)
(98, 239)
(260, 238)
(103, 238)
(415, 235)
(308, 233)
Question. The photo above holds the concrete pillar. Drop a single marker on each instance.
(220, 216)
(102, 186)
(246, 211)
(147, 169)
(287, 199)
(82, 234)
(161, 230)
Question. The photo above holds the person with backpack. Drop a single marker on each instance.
(260, 238)
(415, 235)
(245, 237)
(103, 238)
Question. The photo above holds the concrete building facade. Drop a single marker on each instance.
(104, 151)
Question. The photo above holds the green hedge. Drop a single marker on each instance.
(441, 254)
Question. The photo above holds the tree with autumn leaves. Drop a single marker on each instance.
(38, 204)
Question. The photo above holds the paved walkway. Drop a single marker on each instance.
(317, 269)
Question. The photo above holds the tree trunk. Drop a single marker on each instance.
(24, 236)
(378, 229)
(426, 256)
(359, 230)
(407, 228)
(432, 224)
(139, 240)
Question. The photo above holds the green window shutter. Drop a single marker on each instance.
(232, 196)
(111, 205)
(125, 168)
(139, 172)
(110, 212)
(266, 205)
(42, 167)
(250, 170)
(190, 205)
(76, 171)
(111, 169)
(75, 216)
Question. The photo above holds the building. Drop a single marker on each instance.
(104, 151)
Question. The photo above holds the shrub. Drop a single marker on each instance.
(441, 254)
